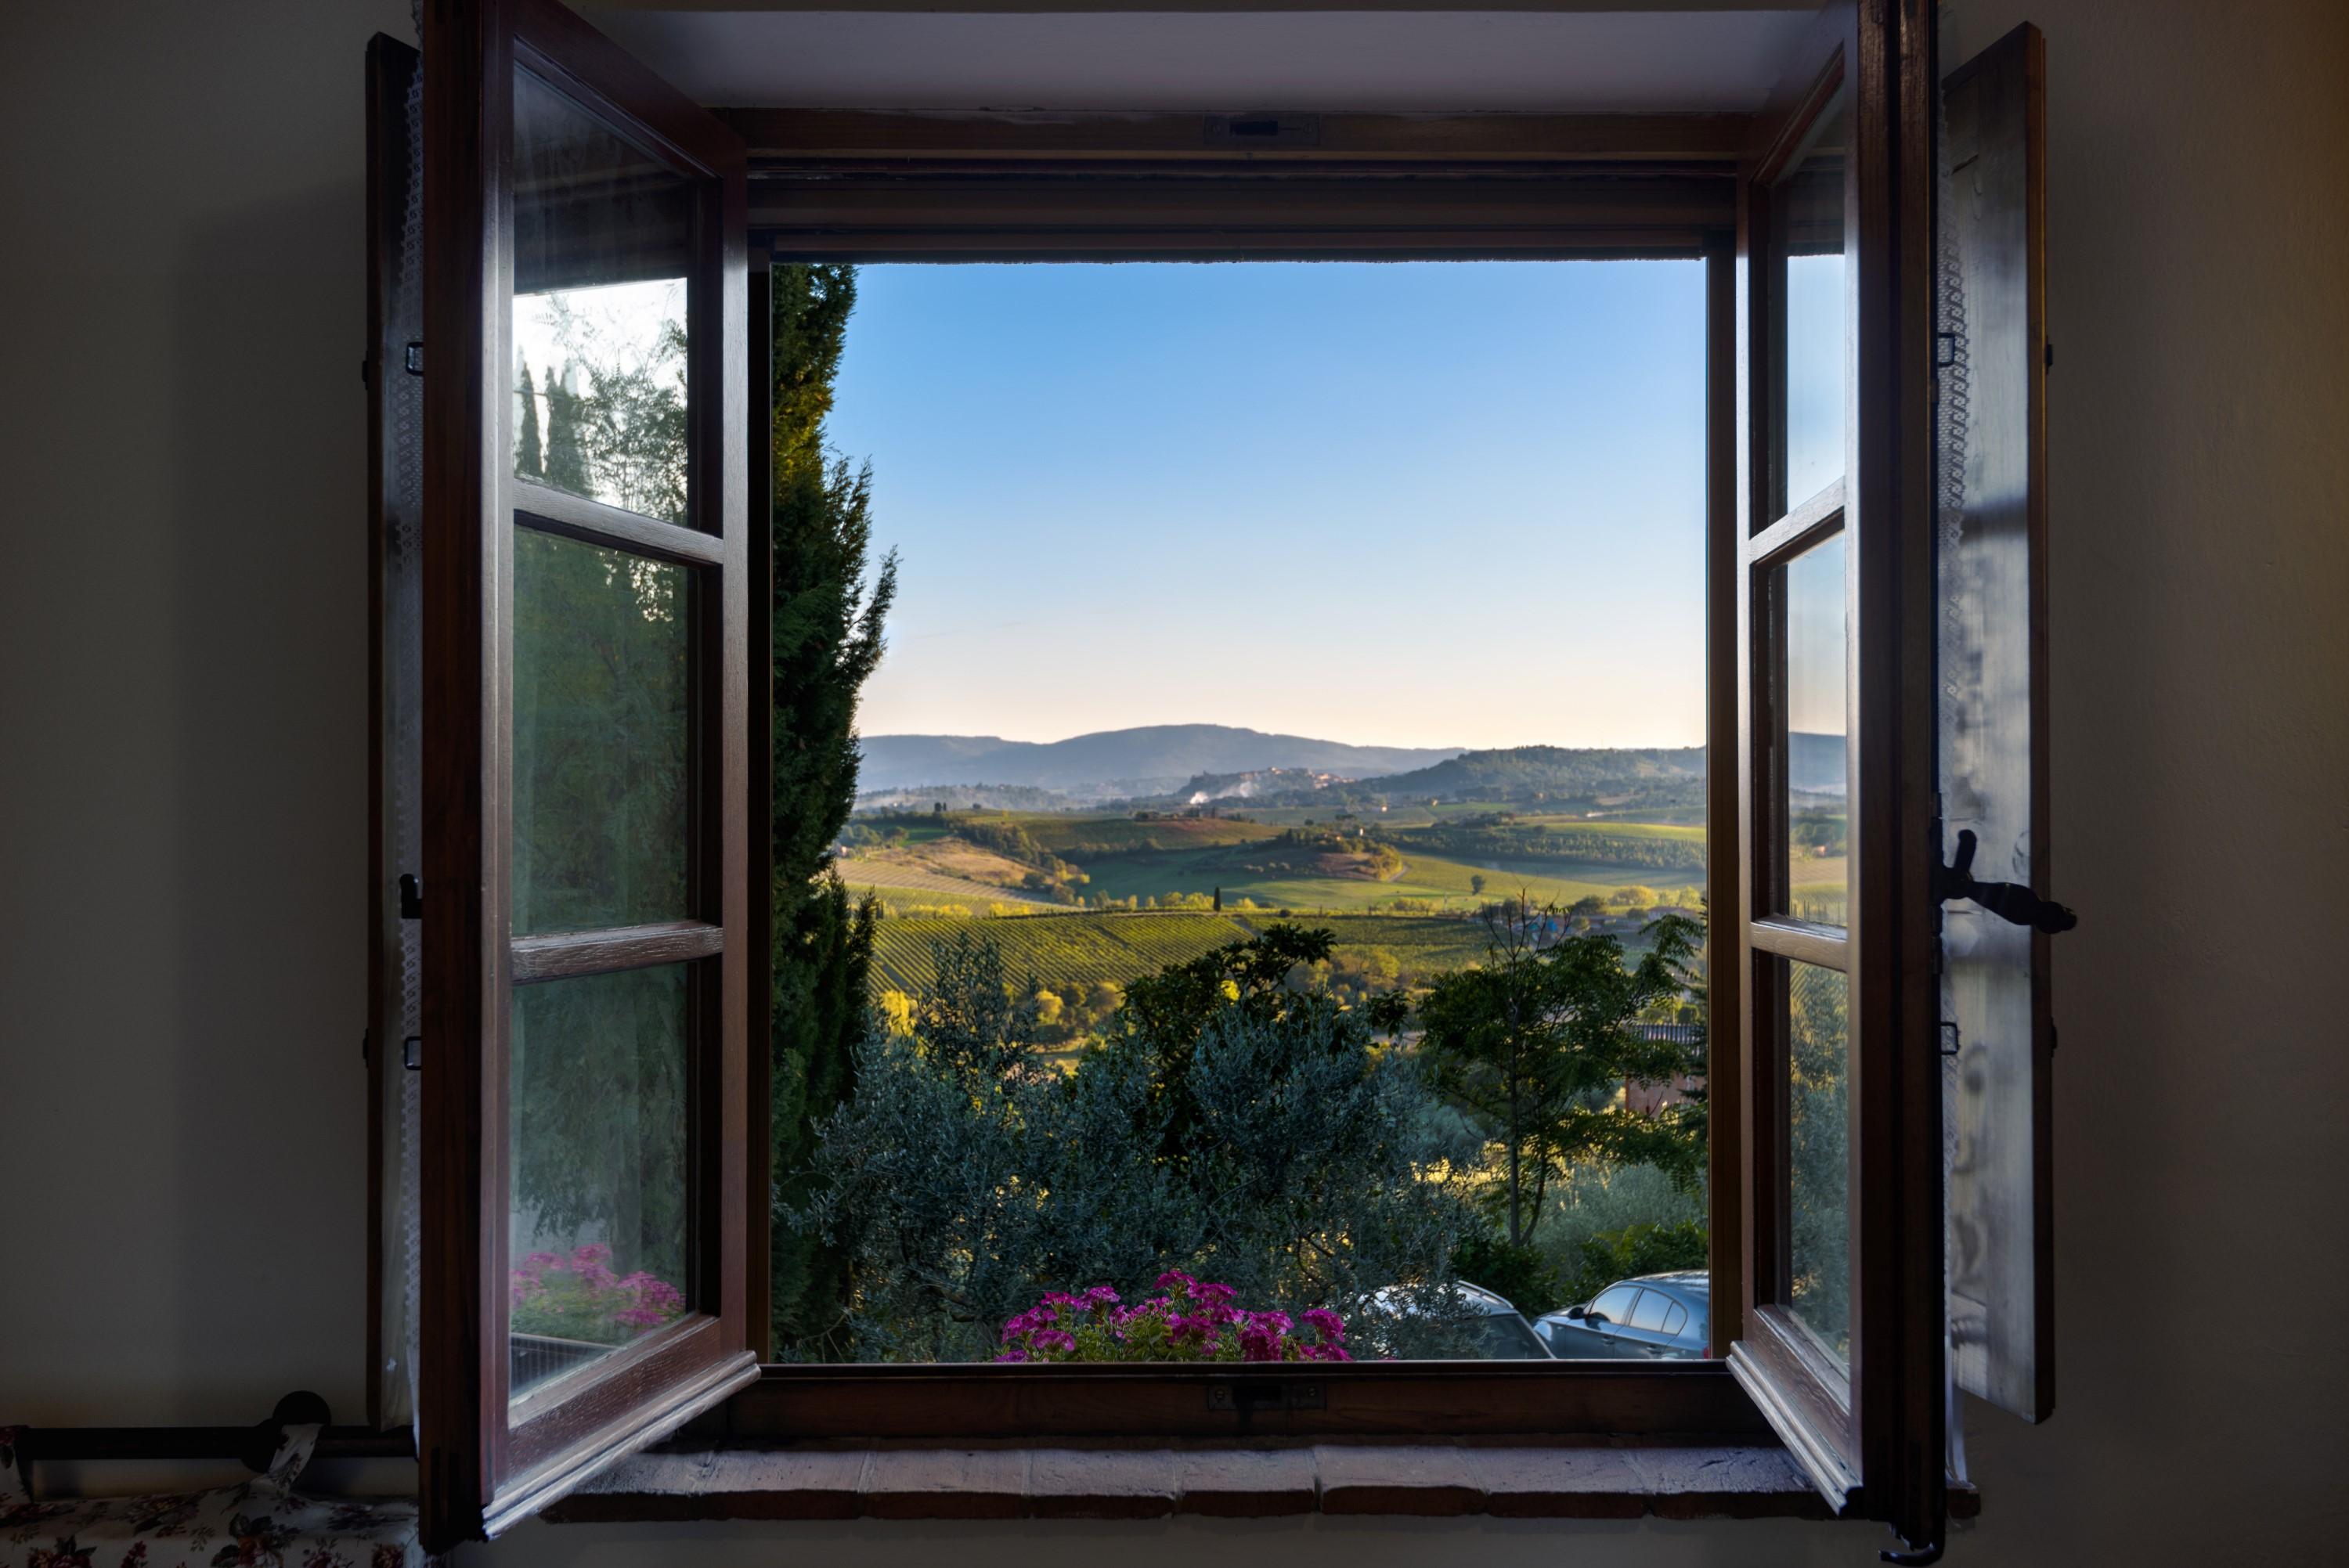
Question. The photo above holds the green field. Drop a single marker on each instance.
(1115, 857)
(1424, 876)
(1054, 949)
(1090, 946)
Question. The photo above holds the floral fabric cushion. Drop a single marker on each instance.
(263, 1523)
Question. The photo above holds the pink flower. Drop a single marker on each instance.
(1328, 1325)
(1175, 1279)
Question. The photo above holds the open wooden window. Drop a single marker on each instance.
(582, 689)
(1889, 603)
(567, 564)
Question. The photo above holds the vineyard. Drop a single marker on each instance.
(1083, 837)
(901, 883)
(1635, 846)
(1093, 945)
(1054, 949)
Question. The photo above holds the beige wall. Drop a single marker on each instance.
(182, 745)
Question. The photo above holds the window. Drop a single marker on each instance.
(1196, 805)
(1654, 1307)
(569, 879)
(1616, 1304)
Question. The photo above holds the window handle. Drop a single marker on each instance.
(2011, 901)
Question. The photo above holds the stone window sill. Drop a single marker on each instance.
(1622, 1480)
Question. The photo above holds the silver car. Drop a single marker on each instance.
(1485, 1326)
(1655, 1317)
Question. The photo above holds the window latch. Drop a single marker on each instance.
(2011, 901)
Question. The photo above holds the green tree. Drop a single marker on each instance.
(829, 603)
(1534, 1044)
(964, 1178)
(1477, 887)
(529, 457)
(566, 457)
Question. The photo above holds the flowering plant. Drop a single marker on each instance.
(579, 1297)
(1188, 1321)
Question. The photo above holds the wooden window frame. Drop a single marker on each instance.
(488, 1458)
(883, 187)
(1872, 1434)
(870, 185)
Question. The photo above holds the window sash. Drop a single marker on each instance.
(489, 1460)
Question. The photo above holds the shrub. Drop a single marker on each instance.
(1523, 1272)
(1646, 1249)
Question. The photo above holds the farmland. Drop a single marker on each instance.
(1084, 947)
(1077, 900)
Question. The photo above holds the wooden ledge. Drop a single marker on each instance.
(1425, 1480)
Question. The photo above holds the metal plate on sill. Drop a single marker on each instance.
(1266, 1394)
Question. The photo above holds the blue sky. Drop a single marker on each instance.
(1424, 503)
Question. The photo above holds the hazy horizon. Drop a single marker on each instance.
(1451, 505)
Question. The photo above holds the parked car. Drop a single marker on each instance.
(1655, 1317)
(1496, 1331)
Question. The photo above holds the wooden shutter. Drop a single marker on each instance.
(1992, 536)
(584, 688)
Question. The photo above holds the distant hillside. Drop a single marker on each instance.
(1815, 764)
(1123, 762)
(1558, 774)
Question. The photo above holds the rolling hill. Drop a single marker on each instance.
(1146, 760)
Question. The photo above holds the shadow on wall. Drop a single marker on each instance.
(267, 544)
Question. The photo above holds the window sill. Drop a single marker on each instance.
(1624, 1480)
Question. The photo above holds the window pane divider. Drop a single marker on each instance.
(1792, 533)
(572, 953)
(593, 522)
(1826, 946)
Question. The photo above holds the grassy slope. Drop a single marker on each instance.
(903, 882)
(1423, 877)
(1114, 945)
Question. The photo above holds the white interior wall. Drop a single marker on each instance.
(183, 766)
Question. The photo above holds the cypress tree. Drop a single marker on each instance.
(530, 459)
(567, 454)
(830, 603)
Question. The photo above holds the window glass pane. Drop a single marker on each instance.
(601, 239)
(1817, 870)
(1615, 1304)
(1651, 1311)
(1676, 1319)
(1816, 362)
(600, 737)
(1818, 1169)
(598, 1196)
